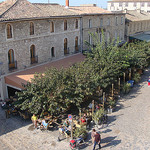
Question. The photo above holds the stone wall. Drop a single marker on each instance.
(110, 29)
(42, 39)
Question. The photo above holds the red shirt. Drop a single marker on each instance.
(83, 120)
(97, 137)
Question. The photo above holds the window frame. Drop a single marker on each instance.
(52, 52)
(52, 27)
(65, 25)
(76, 24)
(65, 46)
(101, 22)
(90, 23)
(76, 43)
(9, 34)
(32, 28)
(116, 20)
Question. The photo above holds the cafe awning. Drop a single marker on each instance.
(16, 79)
(144, 36)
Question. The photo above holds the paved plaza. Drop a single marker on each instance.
(128, 127)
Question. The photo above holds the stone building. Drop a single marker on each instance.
(95, 19)
(137, 25)
(36, 33)
(119, 5)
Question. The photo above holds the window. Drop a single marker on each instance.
(121, 20)
(32, 54)
(10, 56)
(76, 24)
(65, 46)
(116, 35)
(65, 25)
(142, 4)
(126, 4)
(108, 36)
(52, 27)
(134, 4)
(52, 52)
(108, 21)
(120, 4)
(112, 4)
(76, 44)
(121, 35)
(11, 62)
(101, 22)
(90, 40)
(116, 21)
(100, 37)
(90, 23)
(31, 28)
(9, 31)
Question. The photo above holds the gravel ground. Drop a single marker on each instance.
(128, 127)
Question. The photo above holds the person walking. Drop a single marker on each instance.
(97, 140)
(93, 134)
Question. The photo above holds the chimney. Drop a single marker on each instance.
(67, 3)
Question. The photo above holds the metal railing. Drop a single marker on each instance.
(12, 65)
(72, 50)
(34, 60)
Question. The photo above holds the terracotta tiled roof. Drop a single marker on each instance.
(88, 10)
(54, 9)
(22, 9)
(18, 78)
(134, 15)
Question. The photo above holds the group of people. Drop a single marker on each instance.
(43, 123)
(66, 128)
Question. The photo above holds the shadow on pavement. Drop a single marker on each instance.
(110, 141)
(10, 124)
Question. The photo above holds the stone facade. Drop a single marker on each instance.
(113, 26)
(42, 39)
(137, 22)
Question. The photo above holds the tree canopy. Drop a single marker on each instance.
(56, 90)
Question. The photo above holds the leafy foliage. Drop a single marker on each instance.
(57, 90)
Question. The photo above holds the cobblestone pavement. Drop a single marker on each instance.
(128, 127)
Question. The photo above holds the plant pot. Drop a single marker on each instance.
(110, 110)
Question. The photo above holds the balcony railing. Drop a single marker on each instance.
(66, 51)
(12, 65)
(77, 49)
(34, 60)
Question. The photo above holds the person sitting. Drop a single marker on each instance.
(34, 120)
(44, 124)
(61, 129)
(83, 120)
(66, 123)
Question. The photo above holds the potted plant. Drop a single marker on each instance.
(126, 88)
(97, 116)
(136, 77)
(111, 104)
(80, 132)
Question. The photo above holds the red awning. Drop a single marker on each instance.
(18, 78)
